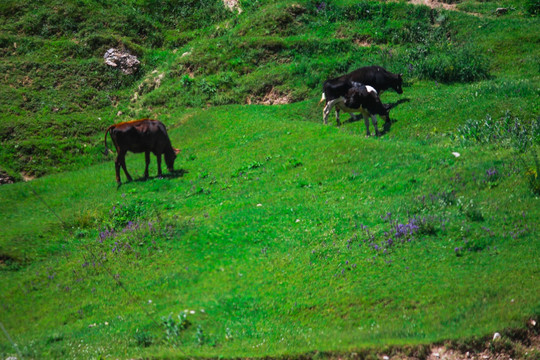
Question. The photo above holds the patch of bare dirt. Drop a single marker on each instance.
(150, 83)
(233, 5)
(361, 43)
(27, 177)
(434, 4)
(272, 97)
(5, 178)
(511, 345)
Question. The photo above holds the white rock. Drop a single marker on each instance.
(496, 336)
(385, 357)
(126, 62)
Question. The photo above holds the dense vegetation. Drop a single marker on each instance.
(277, 235)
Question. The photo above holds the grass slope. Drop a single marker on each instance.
(296, 273)
(278, 235)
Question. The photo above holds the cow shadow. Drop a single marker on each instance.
(169, 175)
(390, 106)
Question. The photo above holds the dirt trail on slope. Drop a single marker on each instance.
(434, 4)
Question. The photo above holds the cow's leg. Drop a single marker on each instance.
(337, 117)
(387, 123)
(326, 111)
(158, 157)
(147, 160)
(122, 158)
(117, 168)
(374, 121)
(366, 121)
(328, 107)
(365, 115)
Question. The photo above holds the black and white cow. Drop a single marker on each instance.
(375, 76)
(363, 99)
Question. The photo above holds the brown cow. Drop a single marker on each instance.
(139, 136)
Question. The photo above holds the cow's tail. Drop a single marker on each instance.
(322, 98)
(107, 150)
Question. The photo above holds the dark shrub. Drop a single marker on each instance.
(532, 6)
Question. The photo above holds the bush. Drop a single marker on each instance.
(508, 131)
(532, 6)
(462, 64)
(185, 14)
(143, 338)
(532, 173)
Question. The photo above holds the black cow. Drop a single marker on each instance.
(374, 76)
(363, 99)
(139, 136)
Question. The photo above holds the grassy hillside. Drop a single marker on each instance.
(277, 235)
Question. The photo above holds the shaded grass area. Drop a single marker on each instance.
(281, 242)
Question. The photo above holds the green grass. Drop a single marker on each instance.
(275, 275)
(274, 225)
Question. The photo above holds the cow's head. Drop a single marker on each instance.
(170, 157)
(398, 83)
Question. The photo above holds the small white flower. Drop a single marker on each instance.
(456, 154)
(192, 311)
(259, 205)
(297, 220)
(149, 301)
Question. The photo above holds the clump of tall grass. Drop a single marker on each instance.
(508, 132)
(532, 173)
(533, 7)
(446, 63)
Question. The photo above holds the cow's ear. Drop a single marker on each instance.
(176, 151)
(400, 76)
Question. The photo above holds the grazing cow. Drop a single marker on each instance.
(374, 76)
(364, 99)
(138, 136)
